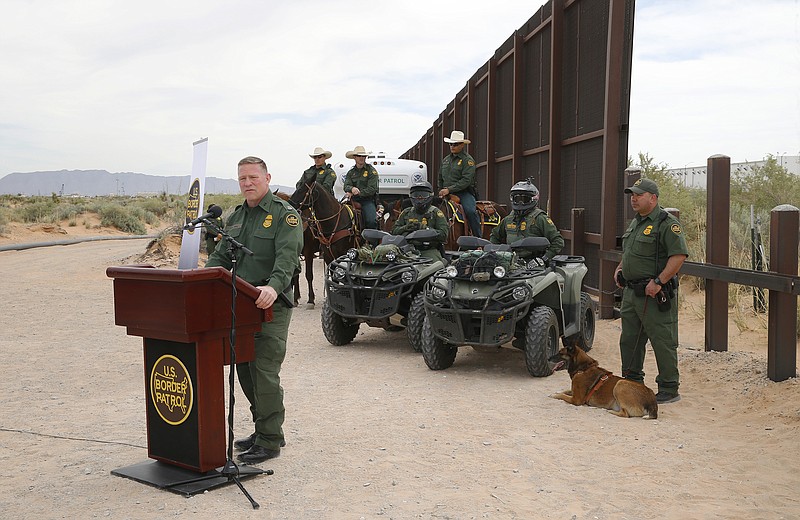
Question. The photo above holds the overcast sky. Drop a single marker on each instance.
(128, 86)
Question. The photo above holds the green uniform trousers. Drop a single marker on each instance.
(260, 379)
(641, 320)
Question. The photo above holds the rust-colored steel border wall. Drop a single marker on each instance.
(552, 104)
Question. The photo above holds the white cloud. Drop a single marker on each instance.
(128, 86)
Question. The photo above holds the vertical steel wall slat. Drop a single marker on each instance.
(563, 79)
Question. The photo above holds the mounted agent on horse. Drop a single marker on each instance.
(329, 227)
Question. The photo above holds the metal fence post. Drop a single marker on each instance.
(717, 250)
(784, 224)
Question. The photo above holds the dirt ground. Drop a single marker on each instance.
(371, 432)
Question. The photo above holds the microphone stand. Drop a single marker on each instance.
(231, 470)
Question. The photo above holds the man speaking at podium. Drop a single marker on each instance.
(270, 228)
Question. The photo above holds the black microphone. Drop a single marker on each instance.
(214, 211)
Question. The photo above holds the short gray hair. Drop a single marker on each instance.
(254, 160)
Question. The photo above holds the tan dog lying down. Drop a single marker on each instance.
(598, 387)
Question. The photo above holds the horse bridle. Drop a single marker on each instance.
(315, 223)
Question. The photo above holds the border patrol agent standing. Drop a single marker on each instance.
(527, 220)
(653, 251)
(321, 173)
(361, 185)
(422, 215)
(271, 228)
(457, 176)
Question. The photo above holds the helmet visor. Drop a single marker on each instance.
(521, 199)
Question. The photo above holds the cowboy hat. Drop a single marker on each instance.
(457, 136)
(358, 150)
(320, 151)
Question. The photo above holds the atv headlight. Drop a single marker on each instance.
(339, 273)
(438, 293)
(520, 292)
(451, 271)
(499, 271)
(407, 276)
(352, 254)
(391, 256)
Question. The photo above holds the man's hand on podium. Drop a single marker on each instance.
(267, 297)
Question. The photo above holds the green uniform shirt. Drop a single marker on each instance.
(458, 173)
(409, 220)
(324, 176)
(365, 179)
(639, 244)
(534, 224)
(272, 231)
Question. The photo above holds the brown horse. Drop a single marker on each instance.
(309, 251)
(489, 212)
(330, 225)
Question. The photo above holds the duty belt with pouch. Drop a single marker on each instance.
(663, 298)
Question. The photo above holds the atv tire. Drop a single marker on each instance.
(585, 338)
(437, 354)
(338, 330)
(541, 340)
(416, 315)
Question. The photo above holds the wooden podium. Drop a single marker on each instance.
(184, 317)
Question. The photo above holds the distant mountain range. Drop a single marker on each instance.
(92, 183)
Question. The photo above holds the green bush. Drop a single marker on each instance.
(40, 210)
(115, 215)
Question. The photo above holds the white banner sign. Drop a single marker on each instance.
(190, 242)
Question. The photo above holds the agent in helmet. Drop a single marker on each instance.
(421, 215)
(527, 220)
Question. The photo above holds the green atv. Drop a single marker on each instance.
(379, 284)
(488, 296)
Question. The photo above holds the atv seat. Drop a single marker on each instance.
(497, 247)
(536, 246)
(374, 236)
(398, 240)
(469, 242)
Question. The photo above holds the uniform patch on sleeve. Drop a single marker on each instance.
(550, 221)
(439, 212)
(471, 163)
(292, 220)
(676, 228)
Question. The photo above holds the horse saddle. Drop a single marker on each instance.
(490, 212)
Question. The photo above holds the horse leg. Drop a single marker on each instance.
(296, 286)
(310, 275)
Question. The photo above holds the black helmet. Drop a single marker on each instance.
(421, 196)
(524, 196)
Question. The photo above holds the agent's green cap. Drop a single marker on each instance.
(643, 185)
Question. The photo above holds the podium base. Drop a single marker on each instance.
(180, 480)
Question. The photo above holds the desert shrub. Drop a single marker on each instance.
(157, 206)
(40, 210)
(143, 215)
(115, 215)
